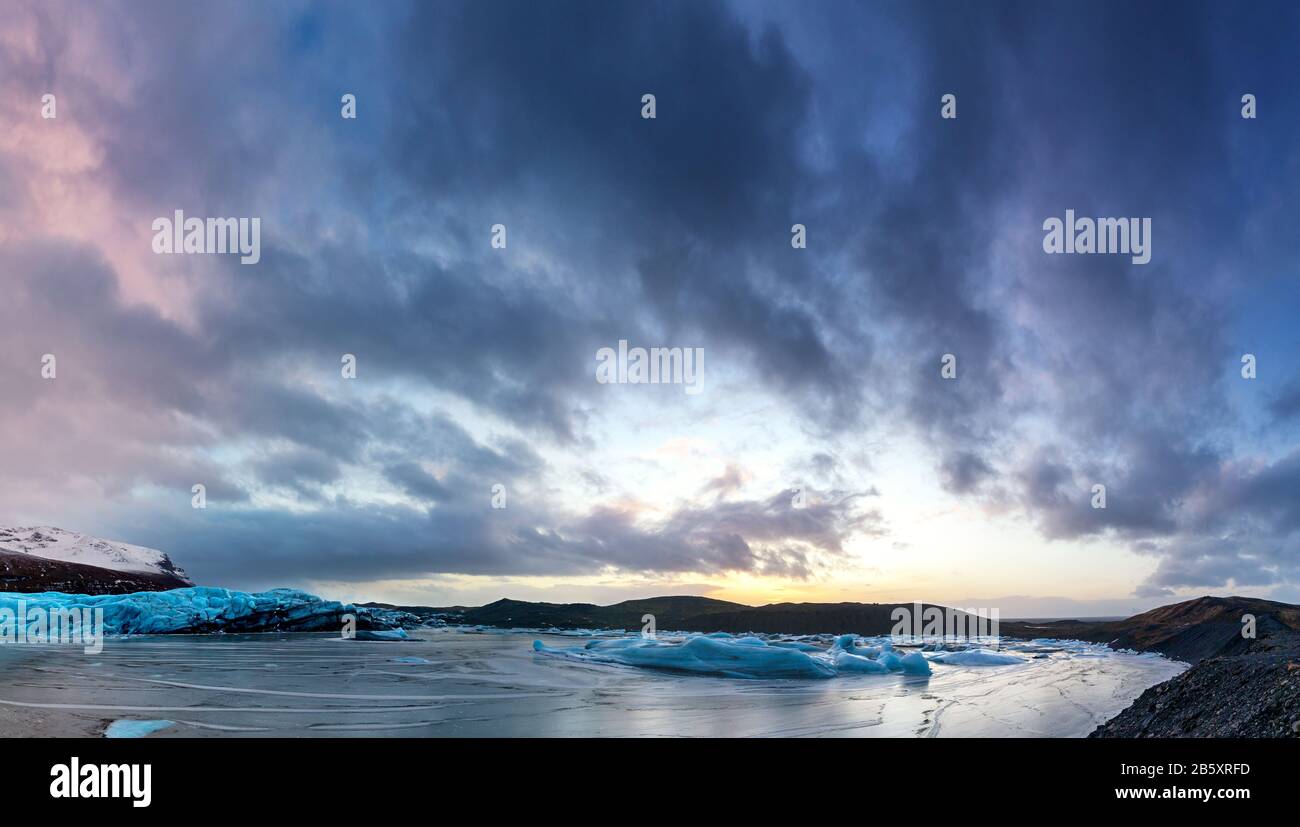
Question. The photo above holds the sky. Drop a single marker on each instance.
(823, 455)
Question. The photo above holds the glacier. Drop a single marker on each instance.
(202, 609)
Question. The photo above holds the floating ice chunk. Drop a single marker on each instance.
(848, 662)
(914, 663)
(127, 728)
(616, 643)
(976, 657)
(849, 643)
(797, 644)
(890, 661)
(705, 655)
(381, 634)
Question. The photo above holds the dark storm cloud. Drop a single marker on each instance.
(1286, 405)
(1144, 492)
(761, 536)
(417, 482)
(255, 548)
(303, 471)
(965, 471)
(1126, 363)
(686, 201)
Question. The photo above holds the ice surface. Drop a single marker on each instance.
(496, 685)
(202, 609)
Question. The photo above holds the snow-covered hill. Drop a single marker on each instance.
(51, 543)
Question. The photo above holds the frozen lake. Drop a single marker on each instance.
(447, 682)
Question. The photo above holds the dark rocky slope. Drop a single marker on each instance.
(1190, 631)
(1238, 688)
(1250, 694)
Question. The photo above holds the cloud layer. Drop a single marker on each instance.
(475, 365)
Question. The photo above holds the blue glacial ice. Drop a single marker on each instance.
(976, 657)
(381, 634)
(701, 654)
(846, 662)
(914, 663)
(127, 728)
(203, 609)
(748, 657)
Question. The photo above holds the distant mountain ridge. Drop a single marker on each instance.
(45, 558)
(1189, 631)
(682, 613)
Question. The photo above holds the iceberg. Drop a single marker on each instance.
(849, 643)
(849, 662)
(976, 657)
(381, 634)
(796, 644)
(198, 610)
(747, 657)
(129, 728)
(914, 663)
(704, 655)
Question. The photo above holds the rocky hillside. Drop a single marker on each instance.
(682, 614)
(1239, 688)
(1190, 631)
(1250, 694)
(45, 558)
